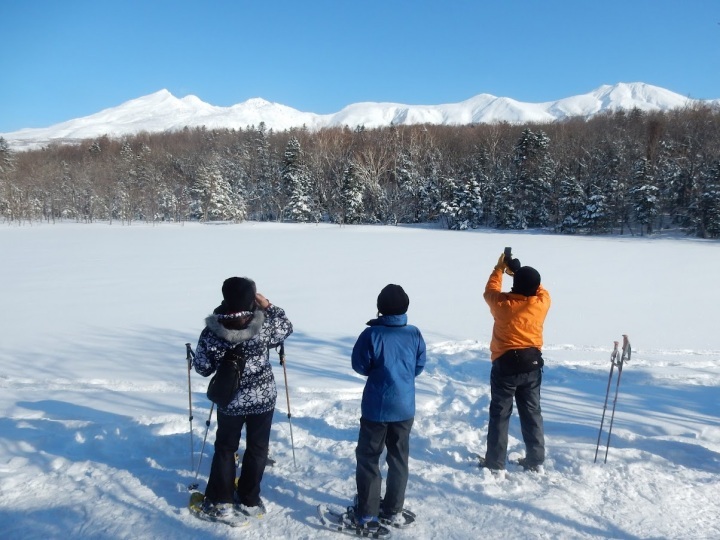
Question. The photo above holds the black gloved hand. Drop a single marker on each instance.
(502, 263)
(513, 266)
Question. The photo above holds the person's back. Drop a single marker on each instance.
(518, 316)
(387, 353)
(390, 353)
(517, 362)
(248, 325)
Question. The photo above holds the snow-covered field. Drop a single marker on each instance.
(95, 436)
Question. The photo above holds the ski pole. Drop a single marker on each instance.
(281, 354)
(613, 358)
(190, 356)
(194, 485)
(625, 357)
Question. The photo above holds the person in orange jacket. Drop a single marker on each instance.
(515, 351)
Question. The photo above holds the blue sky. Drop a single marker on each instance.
(61, 60)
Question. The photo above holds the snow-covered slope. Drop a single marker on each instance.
(162, 111)
(94, 426)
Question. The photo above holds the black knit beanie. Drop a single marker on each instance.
(526, 281)
(238, 294)
(392, 300)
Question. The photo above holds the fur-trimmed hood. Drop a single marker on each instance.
(215, 325)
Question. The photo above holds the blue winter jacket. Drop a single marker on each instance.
(390, 353)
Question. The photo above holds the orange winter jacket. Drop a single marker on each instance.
(518, 318)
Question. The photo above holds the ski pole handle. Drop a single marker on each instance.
(281, 353)
(626, 349)
(190, 355)
(615, 353)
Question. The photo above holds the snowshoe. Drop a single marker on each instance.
(218, 513)
(344, 522)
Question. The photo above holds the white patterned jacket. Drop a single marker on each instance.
(267, 329)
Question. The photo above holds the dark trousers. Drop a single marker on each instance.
(221, 483)
(525, 389)
(373, 439)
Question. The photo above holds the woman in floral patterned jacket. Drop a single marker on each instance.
(247, 322)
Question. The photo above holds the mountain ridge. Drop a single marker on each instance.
(161, 111)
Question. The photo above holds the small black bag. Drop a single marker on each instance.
(226, 381)
(518, 361)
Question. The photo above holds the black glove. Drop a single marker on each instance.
(502, 263)
(513, 266)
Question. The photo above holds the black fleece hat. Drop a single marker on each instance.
(526, 281)
(238, 294)
(392, 300)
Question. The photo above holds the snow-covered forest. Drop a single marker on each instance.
(622, 172)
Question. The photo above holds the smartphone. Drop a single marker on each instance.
(508, 252)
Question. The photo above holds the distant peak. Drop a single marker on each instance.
(258, 102)
(190, 98)
(160, 95)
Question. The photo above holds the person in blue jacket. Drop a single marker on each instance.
(390, 353)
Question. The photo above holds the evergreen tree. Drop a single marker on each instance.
(531, 180)
(417, 191)
(148, 185)
(430, 194)
(670, 185)
(572, 204)
(596, 217)
(7, 158)
(482, 169)
(505, 215)
(607, 206)
(264, 188)
(127, 184)
(470, 202)
(296, 184)
(645, 196)
(464, 210)
(409, 182)
(180, 199)
(7, 166)
(214, 197)
(351, 196)
(448, 206)
(233, 167)
(502, 201)
(708, 204)
(70, 195)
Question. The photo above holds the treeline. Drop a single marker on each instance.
(633, 171)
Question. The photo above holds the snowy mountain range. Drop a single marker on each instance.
(161, 111)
